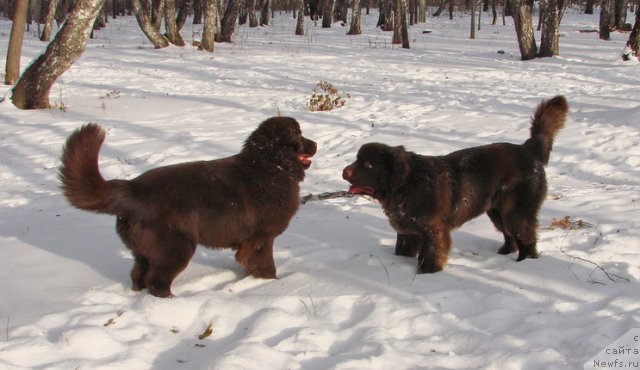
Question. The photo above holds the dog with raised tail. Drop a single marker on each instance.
(242, 202)
(426, 197)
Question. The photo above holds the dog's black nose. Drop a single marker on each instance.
(347, 173)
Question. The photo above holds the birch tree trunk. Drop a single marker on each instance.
(265, 13)
(327, 14)
(634, 37)
(185, 7)
(549, 41)
(404, 31)
(251, 9)
(356, 19)
(170, 23)
(523, 20)
(12, 68)
(300, 21)
(605, 21)
(211, 17)
(33, 87)
(143, 16)
(227, 26)
(48, 20)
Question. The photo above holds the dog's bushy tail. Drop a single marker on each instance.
(82, 183)
(548, 119)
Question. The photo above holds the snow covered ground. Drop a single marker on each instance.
(343, 300)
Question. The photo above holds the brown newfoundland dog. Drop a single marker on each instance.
(242, 202)
(426, 197)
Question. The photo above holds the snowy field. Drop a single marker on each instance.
(343, 300)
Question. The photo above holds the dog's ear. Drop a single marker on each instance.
(399, 173)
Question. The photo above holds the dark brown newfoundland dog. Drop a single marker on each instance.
(426, 197)
(241, 202)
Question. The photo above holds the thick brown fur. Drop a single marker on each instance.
(241, 202)
(426, 197)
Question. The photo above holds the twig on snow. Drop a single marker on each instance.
(609, 276)
(326, 195)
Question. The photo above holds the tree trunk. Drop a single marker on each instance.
(634, 37)
(173, 33)
(327, 14)
(589, 7)
(440, 8)
(397, 23)
(251, 9)
(422, 11)
(300, 21)
(605, 21)
(185, 7)
(356, 19)
(472, 34)
(32, 89)
(549, 41)
(264, 13)
(494, 13)
(403, 22)
(385, 21)
(211, 16)
(143, 17)
(48, 20)
(523, 21)
(620, 13)
(14, 51)
(197, 11)
(228, 24)
(340, 12)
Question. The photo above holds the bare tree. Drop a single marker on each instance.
(144, 15)
(49, 17)
(251, 9)
(634, 37)
(356, 19)
(32, 89)
(170, 23)
(185, 8)
(549, 42)
(265, 13)
(211, 17)
(422, 11)
(12, 68)
(228, 23)
(327, 13)
(605, 20)
(300, 20)
(522, 18)
(472, 34)
(620, 13)
(403, 21)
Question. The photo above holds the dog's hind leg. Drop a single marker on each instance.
(510, 244)
(256, 256)
(522, 227)
(434, 250)
(169, 252)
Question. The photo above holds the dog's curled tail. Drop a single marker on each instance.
(547, 120)
(82, 184)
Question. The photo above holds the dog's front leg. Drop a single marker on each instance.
(434, 250)
(407, 245)
(256, 256)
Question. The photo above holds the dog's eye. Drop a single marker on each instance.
(368, 165)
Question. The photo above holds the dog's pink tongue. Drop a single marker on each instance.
(355, 189)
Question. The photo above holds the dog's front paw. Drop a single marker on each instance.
(428, 267)
(506, 249)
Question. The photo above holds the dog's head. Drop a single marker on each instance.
(280, 140)
(378, 170)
